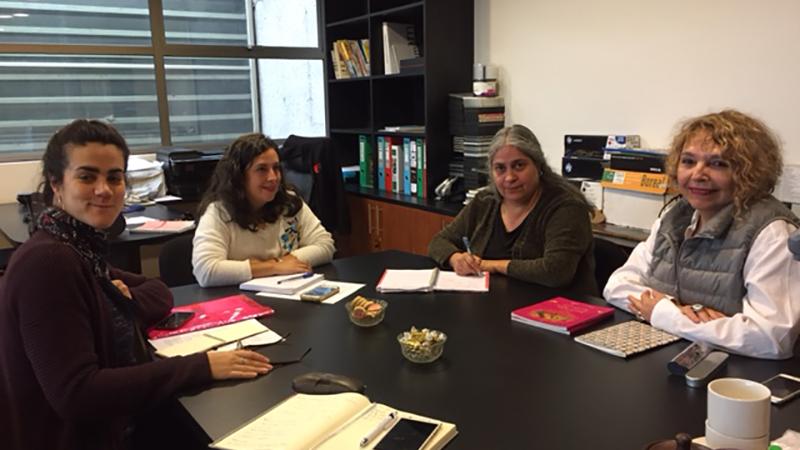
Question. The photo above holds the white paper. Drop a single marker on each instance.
(167, 198)
(788, 188)
(202, 340)
(282, 284)
(451, 281)
(593, 191)
(404, 280)
(268, 337)
(345, 290)
(138, 220)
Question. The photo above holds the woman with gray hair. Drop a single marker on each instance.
(530, 223)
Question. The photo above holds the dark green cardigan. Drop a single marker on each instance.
(555, 248)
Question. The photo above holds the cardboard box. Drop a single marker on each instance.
(653, 183)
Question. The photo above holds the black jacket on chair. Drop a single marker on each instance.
(317, 157)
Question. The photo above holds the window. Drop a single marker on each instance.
(196, 72)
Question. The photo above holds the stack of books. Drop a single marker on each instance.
(350, 58)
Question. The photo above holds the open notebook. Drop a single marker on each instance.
(427, 280)
(329, 422)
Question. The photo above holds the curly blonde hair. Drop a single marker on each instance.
(749, 146)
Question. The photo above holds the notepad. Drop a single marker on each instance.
(428, 280)
(324, 422)
(204, 340)
(163, 226)
(281, 284)
(626, 339)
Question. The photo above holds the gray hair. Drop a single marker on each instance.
(522, 138)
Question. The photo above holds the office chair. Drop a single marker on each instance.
(608, 257)
(175, 261)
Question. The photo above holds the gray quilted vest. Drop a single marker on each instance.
(707, 267)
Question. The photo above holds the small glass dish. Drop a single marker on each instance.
(422, 346)
(363, 317)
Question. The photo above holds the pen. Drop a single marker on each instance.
(465, 240)
(382, 425)
(298, 277)
(239, 345)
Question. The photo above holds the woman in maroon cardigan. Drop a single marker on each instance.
(74, 366)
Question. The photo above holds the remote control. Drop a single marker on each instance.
(700, 374)
(688, 358)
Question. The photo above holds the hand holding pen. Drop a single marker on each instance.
(466, 263)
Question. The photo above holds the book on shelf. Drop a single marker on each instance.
(422, 162)
(399, 42)
(428, 280)
(381, 163)
(282, 284)
(163, 226)
(323, 422)
(403, 129)
(407, 166)
(561, 315)
(350, 58)
(213, 313)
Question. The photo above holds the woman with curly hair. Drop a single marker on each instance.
(716, 266)
(252, 224)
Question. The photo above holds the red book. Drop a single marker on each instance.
(213, 313)
(561, 315)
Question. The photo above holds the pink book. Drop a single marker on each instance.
(164, 226)
(213, 313)
(561, 315)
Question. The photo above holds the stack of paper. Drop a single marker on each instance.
(281, 284)
(204, 340)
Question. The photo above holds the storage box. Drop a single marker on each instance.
(632, 208)
(187, 171)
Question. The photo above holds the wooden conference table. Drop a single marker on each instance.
(124, 249)
(505, 385)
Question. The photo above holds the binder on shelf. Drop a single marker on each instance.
(381, 163)
(413, 170)
(422, 181)
(397, 167)
(399, 42)
(407, 166)
(365, 164)
(387, 175)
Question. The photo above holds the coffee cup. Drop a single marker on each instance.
(717, 440)
(738, 408)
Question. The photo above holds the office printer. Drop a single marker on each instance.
(188, 171)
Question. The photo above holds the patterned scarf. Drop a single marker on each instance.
(90, 244)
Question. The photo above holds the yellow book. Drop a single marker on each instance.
(653, 183)
(325, 422)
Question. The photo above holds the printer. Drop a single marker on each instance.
(188, 171)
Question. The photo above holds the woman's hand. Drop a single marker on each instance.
(237, 364)
(705, 314)
(465, 263)
(123, 288)
(643, 306)
(495, 265)
(284, 265)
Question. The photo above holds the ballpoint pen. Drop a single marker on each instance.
(465, 240)
(298, 277)
(382, 425)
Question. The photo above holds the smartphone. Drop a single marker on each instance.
(407, 434)
(174, 320)
(783, 387)
(319, 293)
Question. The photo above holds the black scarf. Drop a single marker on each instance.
(91, 244)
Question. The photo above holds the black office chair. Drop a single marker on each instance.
(175, 261)
(608, 257)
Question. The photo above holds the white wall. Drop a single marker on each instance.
(639, 66)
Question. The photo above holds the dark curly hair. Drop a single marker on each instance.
(78, 132)
(751, 148)
(228, 185)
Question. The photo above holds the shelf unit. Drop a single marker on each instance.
(444, 32)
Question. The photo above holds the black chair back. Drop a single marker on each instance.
(175, 261)
(608, 257)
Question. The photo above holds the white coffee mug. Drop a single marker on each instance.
(715, 439)
(739, 408)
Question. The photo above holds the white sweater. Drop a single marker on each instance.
(222, 248)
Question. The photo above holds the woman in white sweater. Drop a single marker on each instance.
(252, 224)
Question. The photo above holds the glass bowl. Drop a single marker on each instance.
(364, 317)
(422, 346)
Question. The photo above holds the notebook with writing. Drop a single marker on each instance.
(429, 280)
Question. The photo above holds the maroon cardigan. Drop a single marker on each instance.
(57, 390)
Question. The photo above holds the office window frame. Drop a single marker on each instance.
(159, 49)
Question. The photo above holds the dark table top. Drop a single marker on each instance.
(505, 385)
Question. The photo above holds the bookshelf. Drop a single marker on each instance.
(357, 106)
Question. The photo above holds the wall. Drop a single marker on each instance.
(637, 67)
